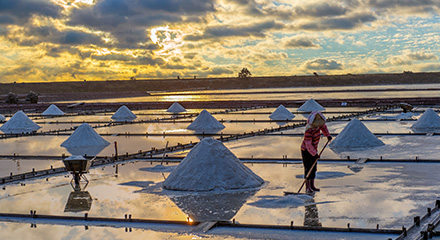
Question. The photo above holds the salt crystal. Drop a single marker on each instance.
(429, 121)
(281, 113)
(123, 114)
(205, 121)
(53, 110)
(355, 135)
(19, 123)
(211, 166)
(176, 108)
(310, 106)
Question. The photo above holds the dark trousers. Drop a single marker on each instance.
(308, 161)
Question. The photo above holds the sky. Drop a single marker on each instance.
(76, 40)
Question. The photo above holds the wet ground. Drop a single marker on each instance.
(362, 195)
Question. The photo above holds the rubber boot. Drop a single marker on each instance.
(309, 186)
(312, 185)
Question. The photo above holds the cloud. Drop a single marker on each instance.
(222, 31)
(300, 42)
(409, 57)
(20, 11)
(341, 23)
(322, 64)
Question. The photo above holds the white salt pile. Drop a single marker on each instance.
(354, 136)
(2, 118)
(211, 166)
(53, 110)
(176, 108)
(281, 113)
(123, 114)
(428, 121)
(19, 123)
(85, 141)
(205, 121)
(310, 106)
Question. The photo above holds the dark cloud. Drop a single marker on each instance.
(256, 30)
(79, 38)
(300, 42)
(343, 23)
(19, 11)
(322, 9)
(322, 64)
(420, 56)
(128, 20)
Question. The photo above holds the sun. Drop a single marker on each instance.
(169, 40)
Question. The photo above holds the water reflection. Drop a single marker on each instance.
(221, 206)
(78, 201)
(311, 218)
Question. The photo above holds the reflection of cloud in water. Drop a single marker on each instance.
(89, 151)
(158, 168)
(288, 201)
(212, 206)
(327, 175)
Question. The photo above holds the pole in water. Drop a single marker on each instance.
(116, 150)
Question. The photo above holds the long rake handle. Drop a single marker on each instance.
(314, 164)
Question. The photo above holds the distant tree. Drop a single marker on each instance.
(244, 73)
(133, 78)
(11, 98)
(316, 74)
(32, 97)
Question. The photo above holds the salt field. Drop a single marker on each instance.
(376, 176)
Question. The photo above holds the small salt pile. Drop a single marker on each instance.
(176, 108)
(428, 121)
(310, 106)
(205, 121)
(281, 113)
(2, 118)
(123, 114)
(53, 110)
(354, 136)
(19, 123)
(85, 141)
(210, 165)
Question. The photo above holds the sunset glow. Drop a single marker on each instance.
(62, 40)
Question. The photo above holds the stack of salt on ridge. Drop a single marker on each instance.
(2, 118)
(85, 141)
(176, 108)
(123, 114)
(281, 113)
(53, 110)
(19, 123)
(205, 121)
(354, 136)
(310, 106)
(428, 121)
(210, 165)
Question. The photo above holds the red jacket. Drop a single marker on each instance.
(311, 139)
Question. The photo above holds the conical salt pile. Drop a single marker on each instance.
(19, 123)
(124, 114)
(205, 121)
(211, 166)
(176, 108)
(52, 110)
(355, 135)
(85, 141)
(281, 113)
(310, 106)
(429, 120)
(2, 118)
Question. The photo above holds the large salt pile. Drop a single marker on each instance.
(2, 118)
(123, 114)
(205, 121)
(281, 113)
(310, 106)
(85, 141)
(211, 166)
(354, 136)
(19, 123)
(428, 121)
(53, 110)
(176, 108)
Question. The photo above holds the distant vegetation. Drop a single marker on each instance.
(244, 73)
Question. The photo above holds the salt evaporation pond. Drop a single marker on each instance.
(139, 192)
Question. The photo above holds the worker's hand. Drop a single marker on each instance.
(329, 138)
(316, 156)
